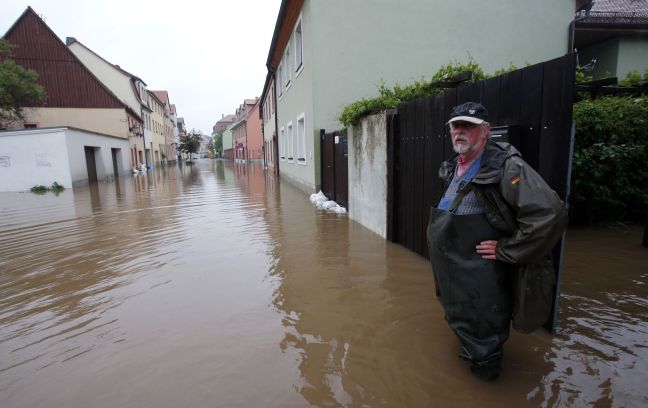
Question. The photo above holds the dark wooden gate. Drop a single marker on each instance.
(335, 169)
(90, 163)
(114, 161)
(532, 107)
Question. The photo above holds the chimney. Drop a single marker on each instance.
(222, 115)
(69, 40)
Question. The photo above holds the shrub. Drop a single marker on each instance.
(55, 188)
(39, 189)
(634, 78)
(609, 175)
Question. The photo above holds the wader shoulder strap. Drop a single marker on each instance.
(460, 196)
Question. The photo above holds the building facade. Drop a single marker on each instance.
(222, 127)
(228, 146)
(129, 88)
(320, 67)
(246, 132)
(64, 155)
(74, 96)
(169, 125)
(610, 37)
(268, 124)
(156, 151)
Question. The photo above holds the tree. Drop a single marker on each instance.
(190, 142)
(217, 143)
(18, 87)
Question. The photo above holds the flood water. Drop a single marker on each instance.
(218, 286)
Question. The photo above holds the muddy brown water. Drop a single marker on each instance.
(219, 286)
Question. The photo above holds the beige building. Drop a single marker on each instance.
(169, 124)
(157, 124)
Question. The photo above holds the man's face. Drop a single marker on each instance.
(468, 137)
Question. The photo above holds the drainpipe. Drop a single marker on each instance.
(572, 29)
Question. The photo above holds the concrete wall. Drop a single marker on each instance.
(606, 55)
(616, 56)
(43, 156)
(367, 144)
(633, 55)
(112, 122)
(33, 157)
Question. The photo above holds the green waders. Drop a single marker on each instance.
(474, 292)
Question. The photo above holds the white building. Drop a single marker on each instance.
(65, 155)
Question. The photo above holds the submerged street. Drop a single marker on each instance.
(218, 285)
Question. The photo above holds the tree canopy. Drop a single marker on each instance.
(18, 87)
(190, 142)
(217, 142)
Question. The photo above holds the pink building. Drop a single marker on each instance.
(247, 138)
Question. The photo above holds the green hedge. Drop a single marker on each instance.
(610, 166)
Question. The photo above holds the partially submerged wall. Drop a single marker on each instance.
(33, 157)
(368, 173)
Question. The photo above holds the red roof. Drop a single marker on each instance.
(163, 96)
(67, 82)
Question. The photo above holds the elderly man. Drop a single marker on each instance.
(496, 222)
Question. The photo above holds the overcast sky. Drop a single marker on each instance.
(209, 55)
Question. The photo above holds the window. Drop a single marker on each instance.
(274, 95)
(299, 47)
(280, 79)
(301, 139)
(282, 144)
(290, 142)
(287, 72)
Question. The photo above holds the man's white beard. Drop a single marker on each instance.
(463, 148)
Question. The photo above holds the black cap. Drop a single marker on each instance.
(472, 112)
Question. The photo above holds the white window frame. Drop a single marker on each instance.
(299, 46)
(301, 139)
(282, 144)
(287, 70)
(290, 144)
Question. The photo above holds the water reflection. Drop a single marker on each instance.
(217, 285)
